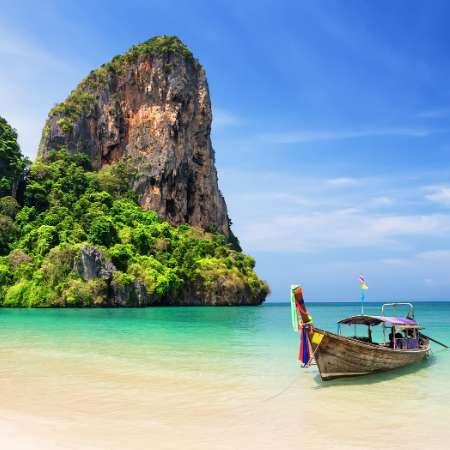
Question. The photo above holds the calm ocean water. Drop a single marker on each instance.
(103, 378)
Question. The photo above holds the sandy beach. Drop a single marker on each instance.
(110, 383)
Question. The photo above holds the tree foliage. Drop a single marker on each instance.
(67, 206)
(12, 162)
(82, 99)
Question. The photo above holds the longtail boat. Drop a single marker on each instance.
(339, 356)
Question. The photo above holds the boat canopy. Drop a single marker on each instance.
(376, 320)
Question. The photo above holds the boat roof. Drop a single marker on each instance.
(376, 320)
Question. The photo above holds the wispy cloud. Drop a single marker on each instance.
(437, 258)
(275, 196)
(223, 118)
(436, 113)
(435, 255)
(347, 228)
(317, 214)
(300, 136)
(26, 95)
(15, 46)
(343, 181)
(431, 225)
(439, 195)
(382, 201)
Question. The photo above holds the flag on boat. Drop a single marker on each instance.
(363, 283)
(364, 288)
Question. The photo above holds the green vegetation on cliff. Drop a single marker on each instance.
(80, 99)
(75, 222)
(12, 163)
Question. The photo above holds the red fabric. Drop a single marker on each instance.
(304, 354)
(300, 305)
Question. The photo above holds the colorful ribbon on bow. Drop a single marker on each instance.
(301, 322)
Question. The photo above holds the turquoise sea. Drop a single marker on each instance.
(206, 377)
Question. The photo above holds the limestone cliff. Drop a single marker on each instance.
(151, 106)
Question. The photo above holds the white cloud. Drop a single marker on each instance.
(346, 228)
(343, 181)
(439, 195)
(382, 201)
(301, 136)
(431, 268)
(397, 262)
(433, 224)
(278, 197)
(313, 214)
(435, 255)
(223, 118)
(440, 257)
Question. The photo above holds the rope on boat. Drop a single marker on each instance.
(313, 355)
(305, 366)
(282, 390)
(289, 385)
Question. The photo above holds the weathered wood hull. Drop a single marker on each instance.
(338, 356)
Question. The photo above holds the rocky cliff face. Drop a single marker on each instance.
(152, 107)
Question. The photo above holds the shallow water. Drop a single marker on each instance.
(203, 378)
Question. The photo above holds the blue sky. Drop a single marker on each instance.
(331, 124)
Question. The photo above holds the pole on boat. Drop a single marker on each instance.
(364, 288)
(434, 340)
(302, 322)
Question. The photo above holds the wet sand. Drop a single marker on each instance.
(109, 390)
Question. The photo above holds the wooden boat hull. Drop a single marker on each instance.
(337, 356)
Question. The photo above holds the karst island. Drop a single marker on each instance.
(122, 206)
